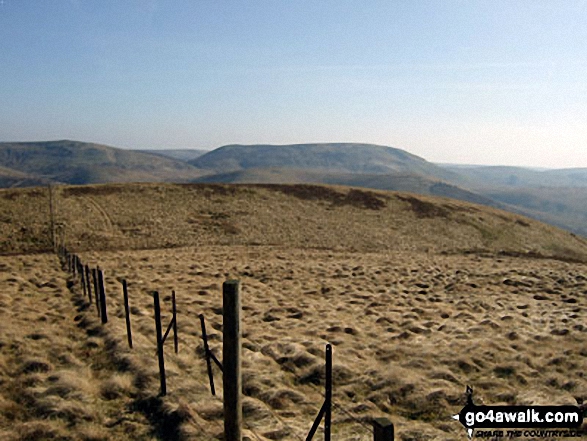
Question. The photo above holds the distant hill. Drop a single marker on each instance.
(179, 154)
(554, 196)
(332, 158)
(75, 162)
(14, 178)
(501, 176)
(558, 197)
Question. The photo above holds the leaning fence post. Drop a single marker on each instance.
(231, 361)
(104, 315)
(207, 350)
(127, 313)
(159, 343)
(174, 309)
(382, 429)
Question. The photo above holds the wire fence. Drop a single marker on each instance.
(88, 277)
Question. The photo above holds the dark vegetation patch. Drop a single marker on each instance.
(212, 189)
(424, 209)
(570, 258)
(11, 195)
(485, 253)
(363, 199)
(91, 190)
(355, 198)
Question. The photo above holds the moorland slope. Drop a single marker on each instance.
(419, 296)
(173, 215)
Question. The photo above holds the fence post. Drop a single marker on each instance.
(52, 218)
(87, 271)
(174, 309)
(104, 315)
(96, 290)
(231, 361)
(328, 394)
(326, 409)
(159, 343)
(207, 350)
(127, 313)
(82, 277)
(382, 429)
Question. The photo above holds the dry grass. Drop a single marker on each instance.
(410, 331)
(51, 377)
(150, 216)
(418, 296)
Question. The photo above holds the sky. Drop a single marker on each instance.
(475, 82)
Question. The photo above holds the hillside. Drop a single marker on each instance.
(483, 177)
(419, 297)
(14, 178)
(407, 182)
(553, 196)
(556, 196)
(179, 154)
(76, 162)
(334, 158)
(165, 215)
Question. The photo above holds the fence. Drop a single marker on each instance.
(230, 366)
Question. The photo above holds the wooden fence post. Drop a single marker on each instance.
(382, 429)
(52, 218)
(231, 361)
(207, 351)
(326, 409)
(127, 313)
(174, 309)
(103, 314)
(87, 271)
(82, 277)
(328, 394)
(96, 290)
(159, 343)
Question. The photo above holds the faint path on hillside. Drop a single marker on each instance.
(106, 219)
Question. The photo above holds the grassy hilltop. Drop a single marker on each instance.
(164, 215)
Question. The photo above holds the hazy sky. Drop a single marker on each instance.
(486, 82)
